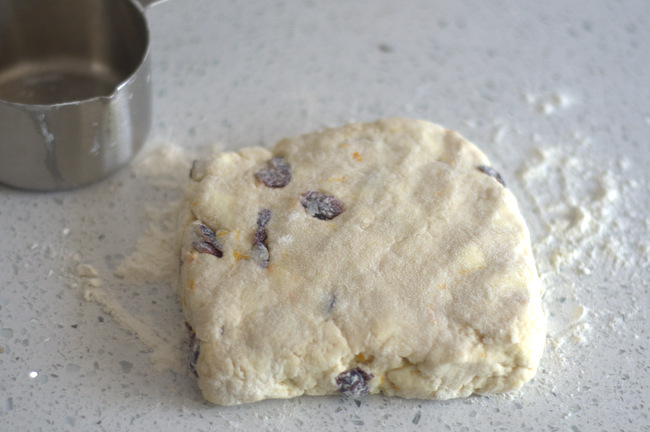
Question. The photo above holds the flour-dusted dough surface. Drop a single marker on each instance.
(424, 286)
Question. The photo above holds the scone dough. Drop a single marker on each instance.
(423, 286)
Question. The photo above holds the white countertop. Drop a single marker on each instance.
(556, 93)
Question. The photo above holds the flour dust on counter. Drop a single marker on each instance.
(549, 103)
(163, 170)
(587, 211)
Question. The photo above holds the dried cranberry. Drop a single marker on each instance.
(353, 382)
(277, 173)
(198, 170)
(492, 173)
(321, 205)
(331, 303)
(204, 241)
(261, 254)
(194, 349)
(260, 248)
(263, 218)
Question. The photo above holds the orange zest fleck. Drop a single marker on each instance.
(239, 257)
(190, 285)
(357, 156)
(189, 257)
(360, 358)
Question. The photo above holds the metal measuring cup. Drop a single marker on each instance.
(75, 90)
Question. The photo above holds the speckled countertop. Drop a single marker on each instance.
(556, 93)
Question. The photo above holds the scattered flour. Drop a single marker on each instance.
(166, 166)
(165, 349)
(164, 170)
(585, 219)
(577, 329)
(549, 104)
(86, 271)
(580, 207)
(88, 274)
(154, 260)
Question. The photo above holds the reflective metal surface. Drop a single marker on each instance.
(75, 90)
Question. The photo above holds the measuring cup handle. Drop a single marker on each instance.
(144, 4)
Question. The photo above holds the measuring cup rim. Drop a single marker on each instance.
(140, 6)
